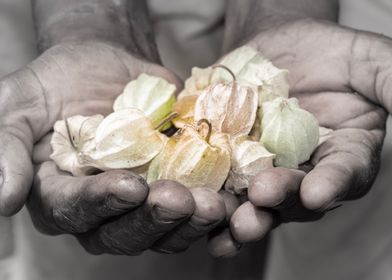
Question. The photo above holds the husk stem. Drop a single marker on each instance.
(169, 118)
(200, 122)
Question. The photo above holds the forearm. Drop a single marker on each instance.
(246, 18)
(122, 22)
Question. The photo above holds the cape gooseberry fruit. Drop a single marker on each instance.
(71, 138)
(125, 139)
(288, 131)
(194, 157)
(248, 158)
(230, 107)
(154, 96)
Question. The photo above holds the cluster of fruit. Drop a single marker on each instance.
(234, 119)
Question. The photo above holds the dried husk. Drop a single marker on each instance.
(69, 144)
(191, 160)
(197, 82)
(125, 139)
(288, 131)
(231, 108)
(251, 67)
(248, 158)
(154, 96)
(185, 108)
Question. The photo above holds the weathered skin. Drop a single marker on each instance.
(81, 71)
(342, 76)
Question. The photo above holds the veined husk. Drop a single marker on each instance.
(154, 96)
(199, 80)
(230, 108)
(248, 158)
(125, 139)
(185, 108)
(189, 159)
(250, 66)
(288, 131)
(66, 154)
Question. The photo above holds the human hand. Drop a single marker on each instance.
(344, 78)
(116, 211)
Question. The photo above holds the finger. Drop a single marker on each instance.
(24, 119)
(60, 203)
(221, 244)
(345, 167)
(250, 223)
(209, 212)
(231, 205)
(276, 187)
(42, 150)
(168, 205)
(16, 173)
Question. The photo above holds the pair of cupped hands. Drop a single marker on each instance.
(342, 76)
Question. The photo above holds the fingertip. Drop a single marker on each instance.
(221, 244)
(210, 207)
(323, 186)
(272, 186)
(250, 224)
(14, 190)
(171, 200)
(231, 203)
(126, 186)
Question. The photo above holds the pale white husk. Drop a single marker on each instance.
(67, 154)
(199, 80)
(125, 139)
(248, 158)
(288, 131)
(187, 158)
(154, 96)
(231, 108)
(249, 65)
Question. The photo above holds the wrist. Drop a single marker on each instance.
(246, 19)
(113, 22)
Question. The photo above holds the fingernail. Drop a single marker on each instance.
(118, 203)
(167, 216)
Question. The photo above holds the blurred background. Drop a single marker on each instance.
(353, 242)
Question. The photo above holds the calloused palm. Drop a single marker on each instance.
(344, 77)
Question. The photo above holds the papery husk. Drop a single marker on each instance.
(125, 139)
(288, 131)
(231, 108)
(248, 158)
(154, 96)
(69, 144)
(250, 66)
(189, 159)
(199, 80)
(185, 108)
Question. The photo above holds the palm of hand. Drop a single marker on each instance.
(340, 76)
(337, 75)
(67, 79)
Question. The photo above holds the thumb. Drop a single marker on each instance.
(22, 115)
